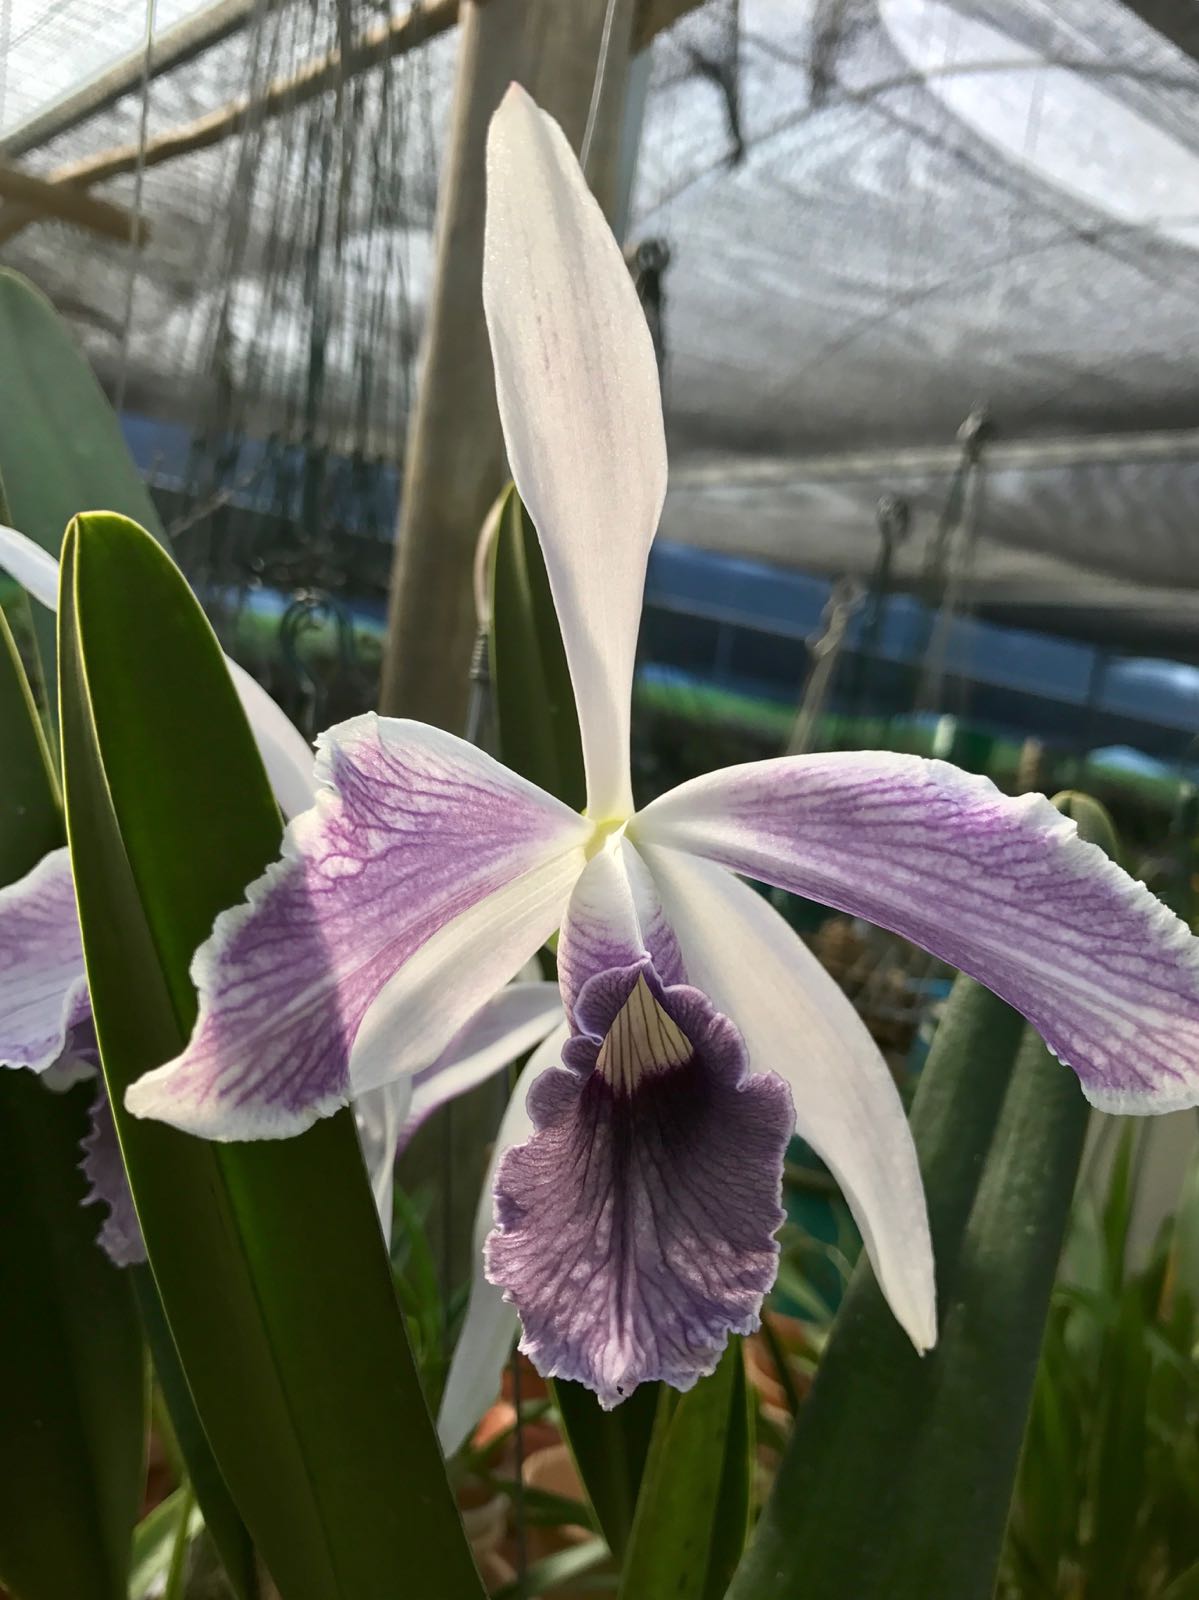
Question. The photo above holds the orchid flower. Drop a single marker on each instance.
(45, 1011)
(635, 1210)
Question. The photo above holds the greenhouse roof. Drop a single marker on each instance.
(881, 215)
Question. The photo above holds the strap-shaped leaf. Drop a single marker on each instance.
(72, 1385)
(610, 1449)
(61, 445)
(31, 824)
(225, 1526)
(693, 1513)
(535, 708)
(897, 1482)
(268, 1257)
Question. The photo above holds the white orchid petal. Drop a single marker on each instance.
(512, 1023)
(797, 1023)
(500, 1032)
(577, 384)
(483, 1347)
(286, 754)
(33, 568)
(416, 1015)
(380, 1115)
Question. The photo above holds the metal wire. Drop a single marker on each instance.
(135, 239)
(597, 87)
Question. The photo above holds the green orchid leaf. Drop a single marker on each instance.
(610, 1449)
(563, 1567)
(73, 1390)
(30, 825)
(693, 1513)
(31, 822)
(268, 1256)
(899, 1476)
(534, 702)
(225, 1527)
(731, 1518)
(72, 1379)
(61, 445)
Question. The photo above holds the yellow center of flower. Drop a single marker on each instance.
(604, 833)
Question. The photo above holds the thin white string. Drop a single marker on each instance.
(597, 88)
(135, 247)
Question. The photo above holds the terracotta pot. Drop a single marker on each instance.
(761, 1372)
(532, 1385)
(494, 1422)
(495, 1572)
(484, 1516)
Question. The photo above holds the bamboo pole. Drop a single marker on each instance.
(43, 198)
(455, 460)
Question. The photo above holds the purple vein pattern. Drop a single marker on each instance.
(1002, 888)
(412, 827)
(635, 1229)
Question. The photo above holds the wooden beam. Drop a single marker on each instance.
(379, 44)
(316, 77)
(653, 17)
(173, 47)
(40, 198)
(454, 466)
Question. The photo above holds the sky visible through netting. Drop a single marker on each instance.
(869, 220)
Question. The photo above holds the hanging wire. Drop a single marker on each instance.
(135, 237)
(5, 40)
(597, 87)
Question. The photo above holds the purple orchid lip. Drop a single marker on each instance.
(120, 1233)
(635, 1229)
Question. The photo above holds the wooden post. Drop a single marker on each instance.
(455, 461)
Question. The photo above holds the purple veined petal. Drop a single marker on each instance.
(490, 1326)
(511, 1023)
(797, 1022)
(614, 919)
(286, 754)
(120, 1234)
(43, 988)
(412, 830)
(1003, 889)
(577, 385)
(635, 1229)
